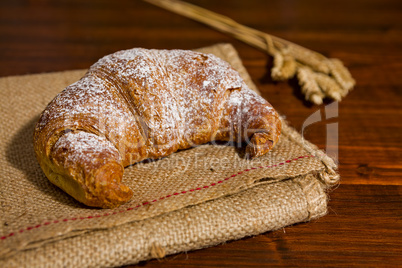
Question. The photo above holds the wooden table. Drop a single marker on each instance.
(364, 224)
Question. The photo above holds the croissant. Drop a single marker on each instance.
(145, 104)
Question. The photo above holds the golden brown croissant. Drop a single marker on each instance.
(138, 104)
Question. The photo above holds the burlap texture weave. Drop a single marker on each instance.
(192, 199)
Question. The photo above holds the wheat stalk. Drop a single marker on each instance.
(318, 76)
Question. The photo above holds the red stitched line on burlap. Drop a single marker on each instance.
(148, 202)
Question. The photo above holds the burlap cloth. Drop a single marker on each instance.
(192, 199)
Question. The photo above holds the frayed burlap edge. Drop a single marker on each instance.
(263, 208)
(311, 184)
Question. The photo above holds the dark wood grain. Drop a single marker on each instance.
(364, 224)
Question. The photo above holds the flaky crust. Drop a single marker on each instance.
(137, 104)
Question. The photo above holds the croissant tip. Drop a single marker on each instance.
(259, 145)
(107, 190)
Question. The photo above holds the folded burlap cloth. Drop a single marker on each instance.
(192, 199)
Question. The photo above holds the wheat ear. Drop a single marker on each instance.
(318, 76)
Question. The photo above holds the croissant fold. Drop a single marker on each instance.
(138, 104)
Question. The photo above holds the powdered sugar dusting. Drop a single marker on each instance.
(149, 103)
(84, 148)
